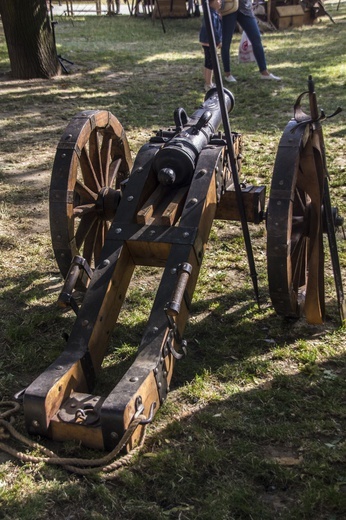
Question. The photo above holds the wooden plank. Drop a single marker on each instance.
(170, 214)
(145, 213)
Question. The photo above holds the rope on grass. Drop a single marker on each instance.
(107, 466)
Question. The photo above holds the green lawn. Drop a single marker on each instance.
(254, 427)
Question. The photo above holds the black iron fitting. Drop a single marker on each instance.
(174, 335)
(140, 409)
(161, 373)
(78, 265)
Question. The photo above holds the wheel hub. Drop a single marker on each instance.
(107, 202)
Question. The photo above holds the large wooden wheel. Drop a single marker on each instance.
(92, 159)
(294, 230)
(299, 211)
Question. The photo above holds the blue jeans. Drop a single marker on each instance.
(249, 24)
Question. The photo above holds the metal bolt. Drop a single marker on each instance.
(85, 323)
(59, 367)
(155, 329)
(63, 155)
(105, 262)
(129, 198)
(118, 230)
(35, 423)
(133, 379)
(114, 435)
(174, 270)
(152, 232)
(186, 234)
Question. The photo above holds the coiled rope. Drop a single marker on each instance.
(106, 466)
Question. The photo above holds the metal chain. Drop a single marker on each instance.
(108, 470)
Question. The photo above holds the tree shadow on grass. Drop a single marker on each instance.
(222, 331)
(267, 451)
(247, 441)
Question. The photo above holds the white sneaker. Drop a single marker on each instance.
(271, 77)
(208, 87)
(230, 79)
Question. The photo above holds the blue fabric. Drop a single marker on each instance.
(249, 24)
(217, 26)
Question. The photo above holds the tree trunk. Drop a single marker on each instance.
(30, 39)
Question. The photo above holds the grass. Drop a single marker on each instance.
(254, 427)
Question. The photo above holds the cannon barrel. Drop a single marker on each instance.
(175, 161)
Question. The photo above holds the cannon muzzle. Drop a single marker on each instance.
(175, 162)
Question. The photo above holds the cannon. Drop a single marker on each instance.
(108, 216)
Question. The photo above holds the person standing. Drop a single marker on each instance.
(215, 6)
(247, 20)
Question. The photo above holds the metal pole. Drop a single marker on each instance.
(231, 154)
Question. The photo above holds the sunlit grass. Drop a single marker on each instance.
(254, 424)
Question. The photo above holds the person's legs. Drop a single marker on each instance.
(208, 75)
(228, 26)
(208, 67)
(249, 24)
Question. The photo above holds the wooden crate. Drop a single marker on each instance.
(171, 9)
(254, 202)
(288, 16)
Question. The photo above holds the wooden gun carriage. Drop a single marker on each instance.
(109, 216)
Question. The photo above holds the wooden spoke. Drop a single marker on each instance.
(86, 223)
(105, 156)
(78, 211)
(88, 172)
(113, 171)
(100, 239)
(92, 159)
(84, 192)
(94, 154)
(90, 241)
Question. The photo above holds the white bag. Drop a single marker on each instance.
(246, 54)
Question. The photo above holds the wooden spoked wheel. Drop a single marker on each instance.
(298, 214)
(295, 226)
(92, 159)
